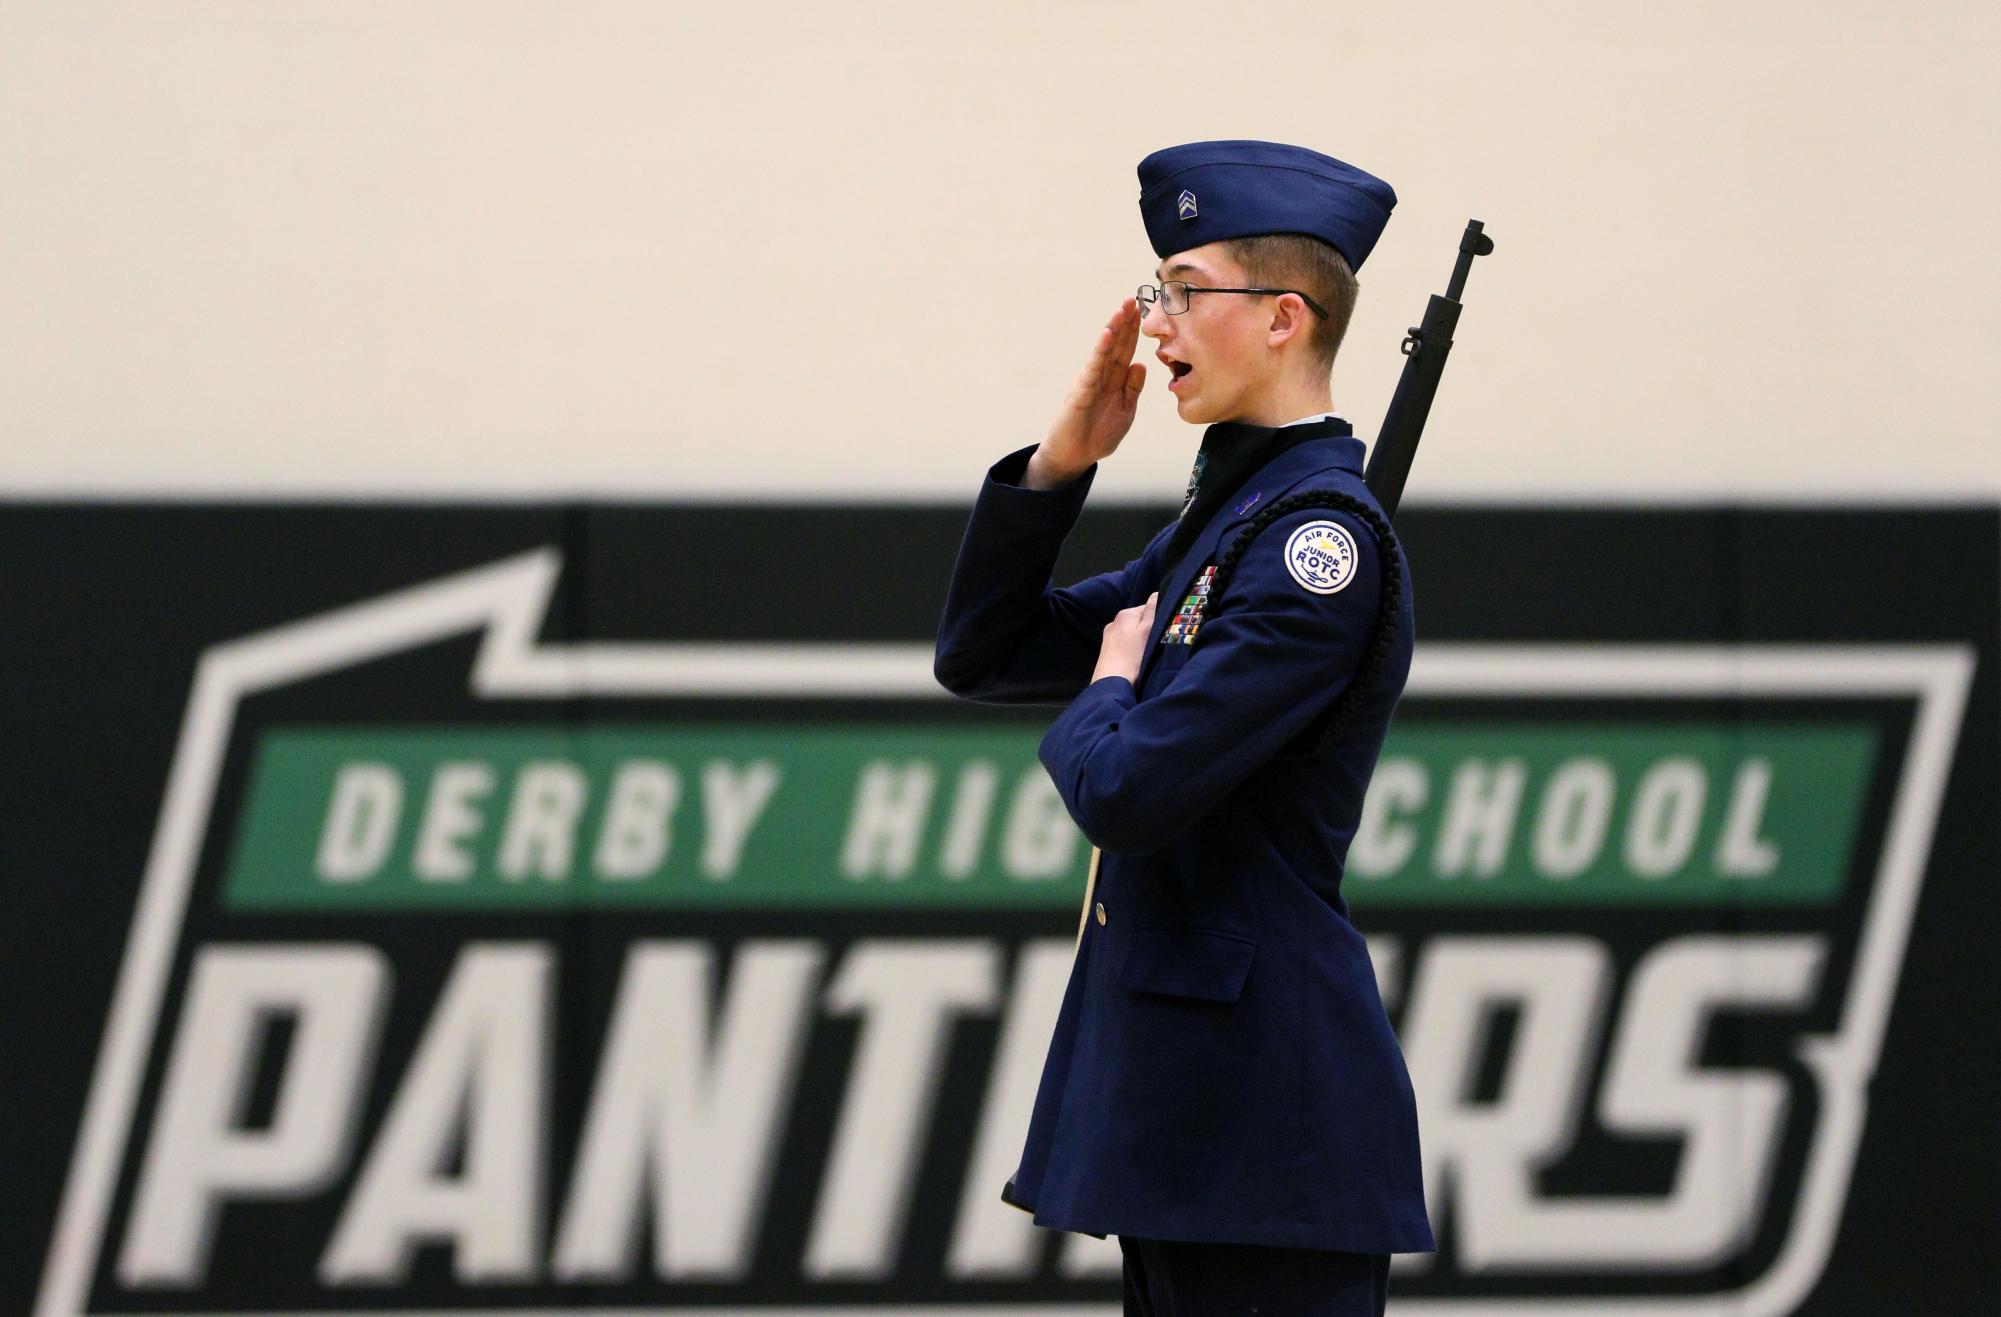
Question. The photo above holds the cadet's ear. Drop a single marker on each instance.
(1288, 318)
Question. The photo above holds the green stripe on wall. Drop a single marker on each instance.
(640, 815)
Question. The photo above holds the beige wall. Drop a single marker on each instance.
(858, 249)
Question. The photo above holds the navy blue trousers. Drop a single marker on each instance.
(1168, 1278)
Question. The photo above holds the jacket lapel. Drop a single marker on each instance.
(1267, 486)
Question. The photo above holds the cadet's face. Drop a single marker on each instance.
(1220, 340)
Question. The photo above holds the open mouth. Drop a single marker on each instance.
(1180, 370)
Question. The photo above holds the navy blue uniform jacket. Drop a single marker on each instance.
(1222, 1067)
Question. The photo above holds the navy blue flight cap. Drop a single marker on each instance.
(1203, 192)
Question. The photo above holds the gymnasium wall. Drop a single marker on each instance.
(848, 251)
(477, 488)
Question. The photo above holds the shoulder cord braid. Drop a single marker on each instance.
(1311, 740)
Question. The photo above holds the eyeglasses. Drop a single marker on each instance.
(1173, 296)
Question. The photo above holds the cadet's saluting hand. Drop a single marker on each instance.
(1125, 641)
(1100, 406)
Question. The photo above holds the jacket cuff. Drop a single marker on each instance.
(1003, 490)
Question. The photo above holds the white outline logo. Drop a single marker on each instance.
(1184, 205)
(507, 600)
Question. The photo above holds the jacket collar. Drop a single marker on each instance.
(1234, 454)
(1329, 449)
(1324, 450)
(1330, 446)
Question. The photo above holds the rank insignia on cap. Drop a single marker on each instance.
(1257, 188)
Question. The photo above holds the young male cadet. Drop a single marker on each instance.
(1223, 1090)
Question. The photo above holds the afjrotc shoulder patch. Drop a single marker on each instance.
(1187, 619)
(1321, 556)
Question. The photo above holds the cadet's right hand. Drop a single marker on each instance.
(1100, 406)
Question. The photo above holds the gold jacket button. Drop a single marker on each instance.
(1101, 912)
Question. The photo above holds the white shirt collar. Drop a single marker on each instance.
(1317, 416)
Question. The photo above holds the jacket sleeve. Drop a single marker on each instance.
(1271, 657)
(1007, 636)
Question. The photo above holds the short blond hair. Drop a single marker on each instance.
(1310, 265)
